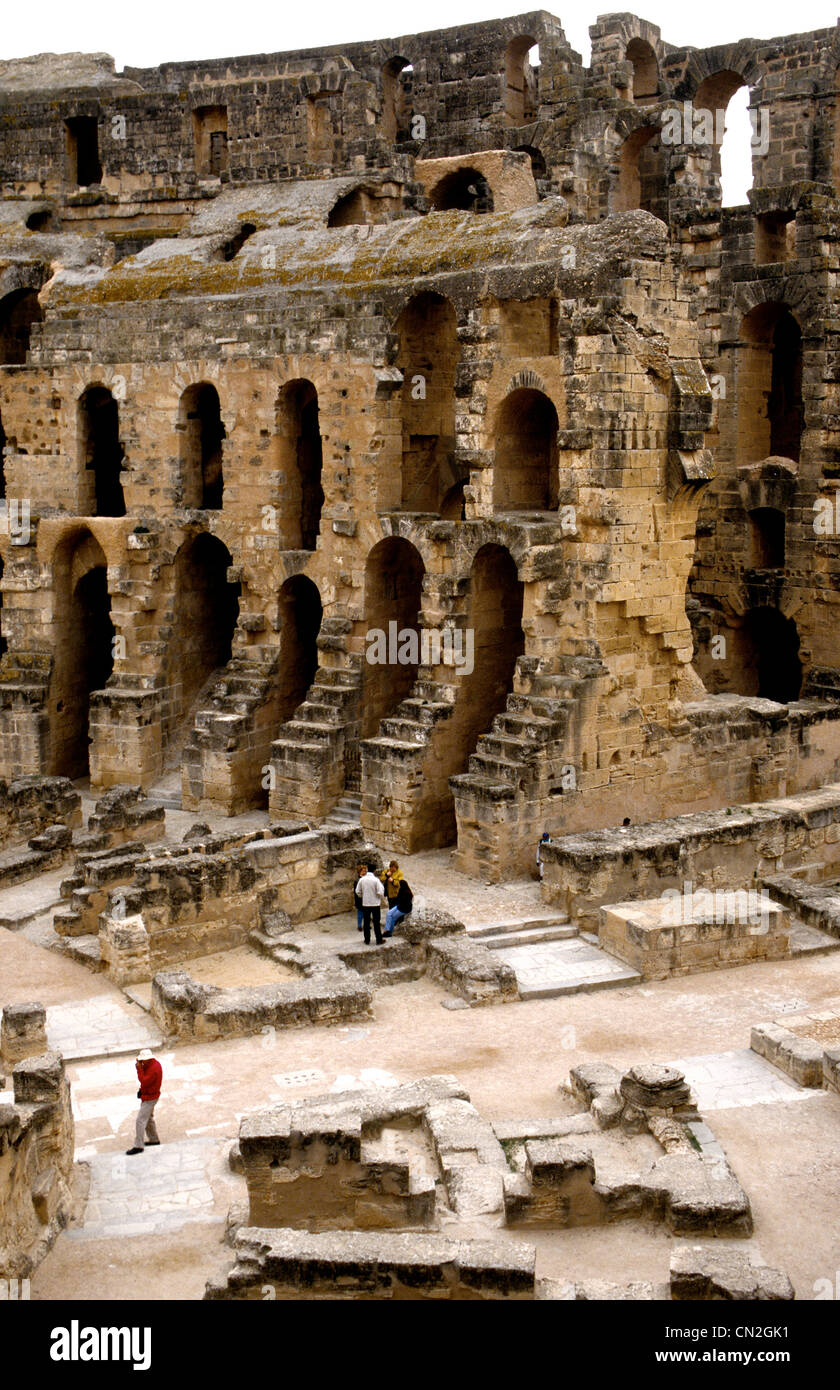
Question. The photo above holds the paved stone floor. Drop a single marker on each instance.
(100, 1026)
(561, 967)
(156, 1192)
(729, 1080)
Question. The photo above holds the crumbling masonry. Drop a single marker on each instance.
(411, 336)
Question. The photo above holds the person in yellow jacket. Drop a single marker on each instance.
(392, 878)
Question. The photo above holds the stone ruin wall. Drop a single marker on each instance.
(269, 230)
(36, 1143)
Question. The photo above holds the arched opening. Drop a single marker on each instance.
(397, 84)
(206, 607)
(775, 237)
(299, 462)
(84, 651)
(393, 594)
(767, 538)
(81, 135)
(464, 190)
(645, 80)
(642, 174)
(201, 434)
(2, 459)
(495, 622)
(537, 158)
(525, 472)
(721, 108)
(101, 453)
(766, 655)
(18, 311)
(428, 359)
(770, 410)
(234, 244)
(520, 81)
(300, 622)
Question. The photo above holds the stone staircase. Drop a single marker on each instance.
(346, 811)
(533, 721)
(533, 931)
(307, 755)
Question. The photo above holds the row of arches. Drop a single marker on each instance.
(202, 434)
(526, 472)
(205, 610)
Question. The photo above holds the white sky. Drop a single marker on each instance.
(154, 31)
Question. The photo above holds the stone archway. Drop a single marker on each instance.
(393, 596)
(494, 628)
(206, 607)
(525, 471)
(301, 612)
(766, 656)
(101, 453)
(84, 654)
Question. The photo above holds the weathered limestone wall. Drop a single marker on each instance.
(192, 904)
(731, 849)
(36, 1162)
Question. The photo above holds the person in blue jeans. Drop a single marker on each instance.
(401, 908)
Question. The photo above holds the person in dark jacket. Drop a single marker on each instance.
(150, 1075)
(401, 908)
(357, 900)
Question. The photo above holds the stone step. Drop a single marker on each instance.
(528, 726)
(304, 734)
(506, 749)
(338, 695)
(166, 797)
(68, 923)
(403, 730)
(312, 712)
(548, 922)
(530, 938)
(581, 986)
(495, 769)
(84, 950)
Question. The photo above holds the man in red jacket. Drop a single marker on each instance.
(150, 1075)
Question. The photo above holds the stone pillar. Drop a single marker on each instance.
(23, 1032)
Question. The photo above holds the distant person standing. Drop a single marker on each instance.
(544, 839)
(150, 1075)
(371, 892)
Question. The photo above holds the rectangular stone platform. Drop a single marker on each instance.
(685, 933)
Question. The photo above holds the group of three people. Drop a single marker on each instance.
(369, 893)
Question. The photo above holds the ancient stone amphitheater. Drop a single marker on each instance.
(403, 447)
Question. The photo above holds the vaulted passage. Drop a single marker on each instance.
(18, 311)
(766, 655)
(202, 436)
(642, 181)
(101, 453)
(520, 81)
(495, 623)
(428, 359)
(769, 385)
(205, 613)
(525, 472)
(300, 617)
(397, 80)
(84, 656)
(300, 463)
(393, 588)
(464, 190)
(645, 82)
